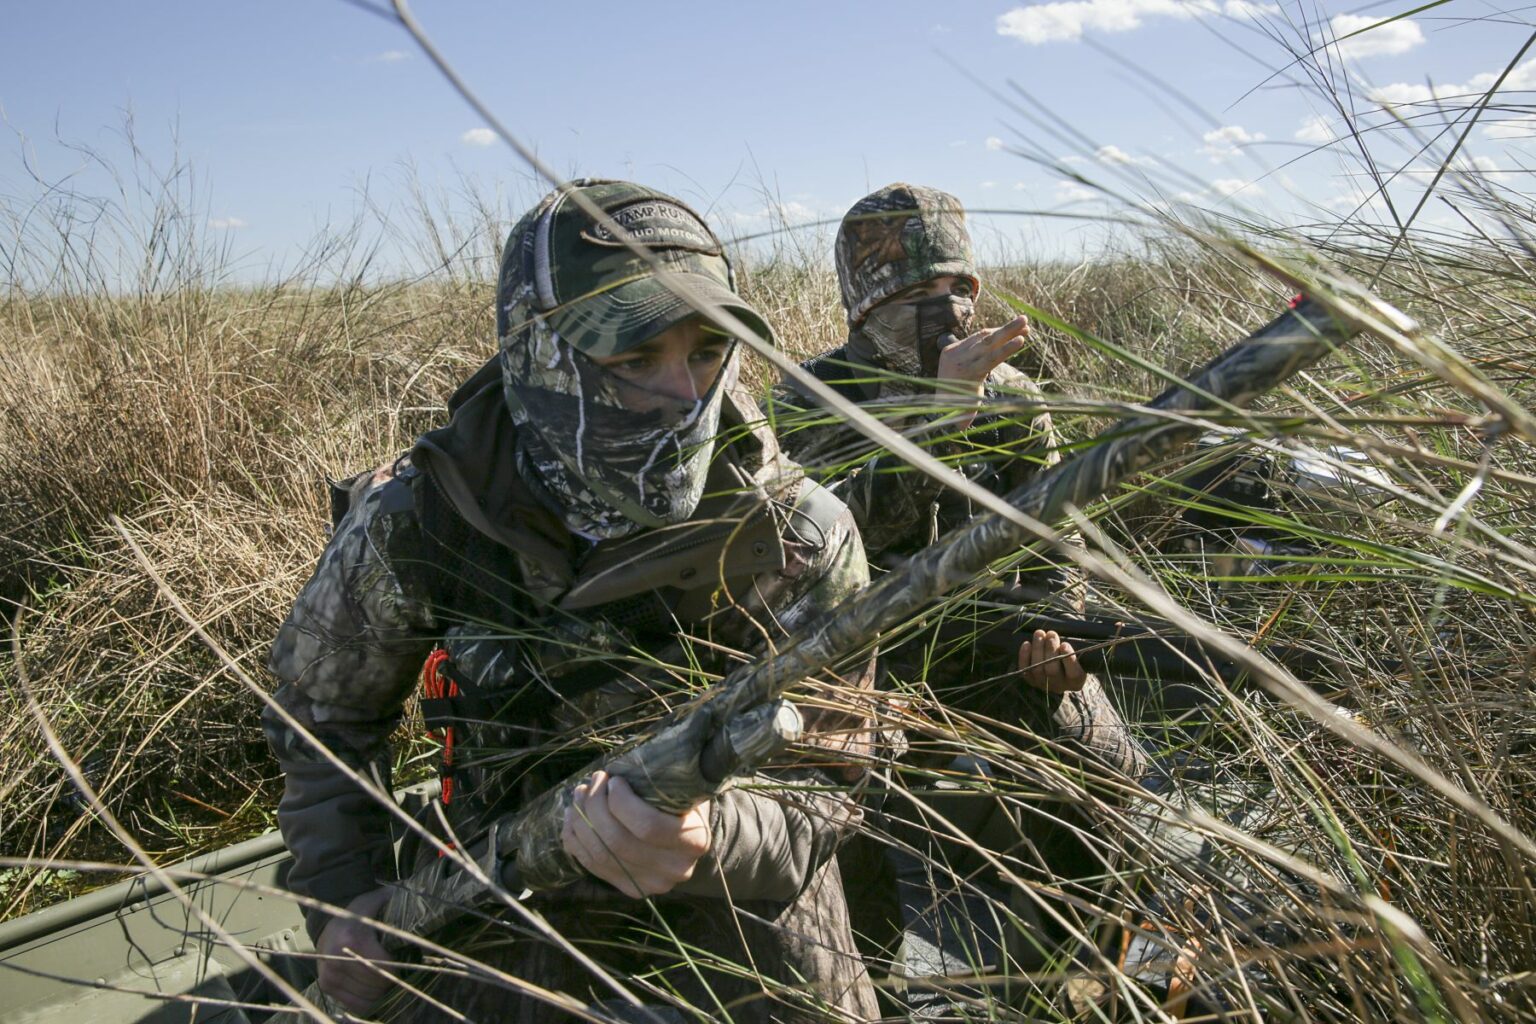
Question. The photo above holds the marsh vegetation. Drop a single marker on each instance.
(164, 407)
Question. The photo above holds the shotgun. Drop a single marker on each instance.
(744, 720)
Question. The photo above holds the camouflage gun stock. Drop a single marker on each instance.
(741, 720)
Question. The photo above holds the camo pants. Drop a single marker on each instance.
(758, 962)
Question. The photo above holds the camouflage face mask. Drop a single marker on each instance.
(906, 338)
(609, 469)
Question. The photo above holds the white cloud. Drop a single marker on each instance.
(1378, 37)
(1115, 156)
(478, 137)
(1401, 94)
(795, 212)
(1522, 78)
(989, 184)
(1244, 10)
(1424, 174)
(1022, 186)
(1074, 192)
(1068, 20)
(1354, 202)
(791, 212)
(1521, 127)
(1316, 130)
(389, 57)
(1225, 187)
(227, 223)
(1227, 142)
(994, 143)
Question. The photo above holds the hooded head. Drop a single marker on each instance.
(571, 296)
(891, 243)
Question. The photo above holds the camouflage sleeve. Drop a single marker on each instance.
(346, 656)
(894, 505)
(897, 506)
(813, 437)
(773, 833)
(1088, 721)
(1038, 444)
(890, 503)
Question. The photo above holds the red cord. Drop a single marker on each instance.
(436, 687)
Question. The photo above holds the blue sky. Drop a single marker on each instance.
(289, 110)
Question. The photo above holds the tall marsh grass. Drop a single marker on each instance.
(1344, 884)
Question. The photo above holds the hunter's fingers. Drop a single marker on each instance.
(1014, 334)
(609, 849)
(974, 357)
(353, 983)
(590, 835)
(687, 834)
(596, 817)
(1072, 670)
(1034, 651)
(1049, 663)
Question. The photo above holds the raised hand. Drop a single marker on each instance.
(970, 359)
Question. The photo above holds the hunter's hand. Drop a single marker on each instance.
(355, 984)
(628, 843)
(971, 359)
(1049, 664)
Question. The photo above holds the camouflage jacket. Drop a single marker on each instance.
(350, 651)
(899, 510)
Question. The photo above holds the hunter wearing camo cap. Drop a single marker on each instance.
(909, 287)
(577, 303)
(896, 241)
(916, 352)
(597, 521)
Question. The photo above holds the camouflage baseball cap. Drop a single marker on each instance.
(593, 290)
(896, 237)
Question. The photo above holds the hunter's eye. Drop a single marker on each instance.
(633, 366)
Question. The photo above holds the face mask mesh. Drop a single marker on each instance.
(906, 337)
(610, 469)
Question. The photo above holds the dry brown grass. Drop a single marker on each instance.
(207, 418)
(209, 424)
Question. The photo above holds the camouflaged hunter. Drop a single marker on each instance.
(909, 282)
(556, 539)
(896, 239)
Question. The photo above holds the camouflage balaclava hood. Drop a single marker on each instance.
(569, 291)
(892, 239)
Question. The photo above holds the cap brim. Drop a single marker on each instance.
(617, 320)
